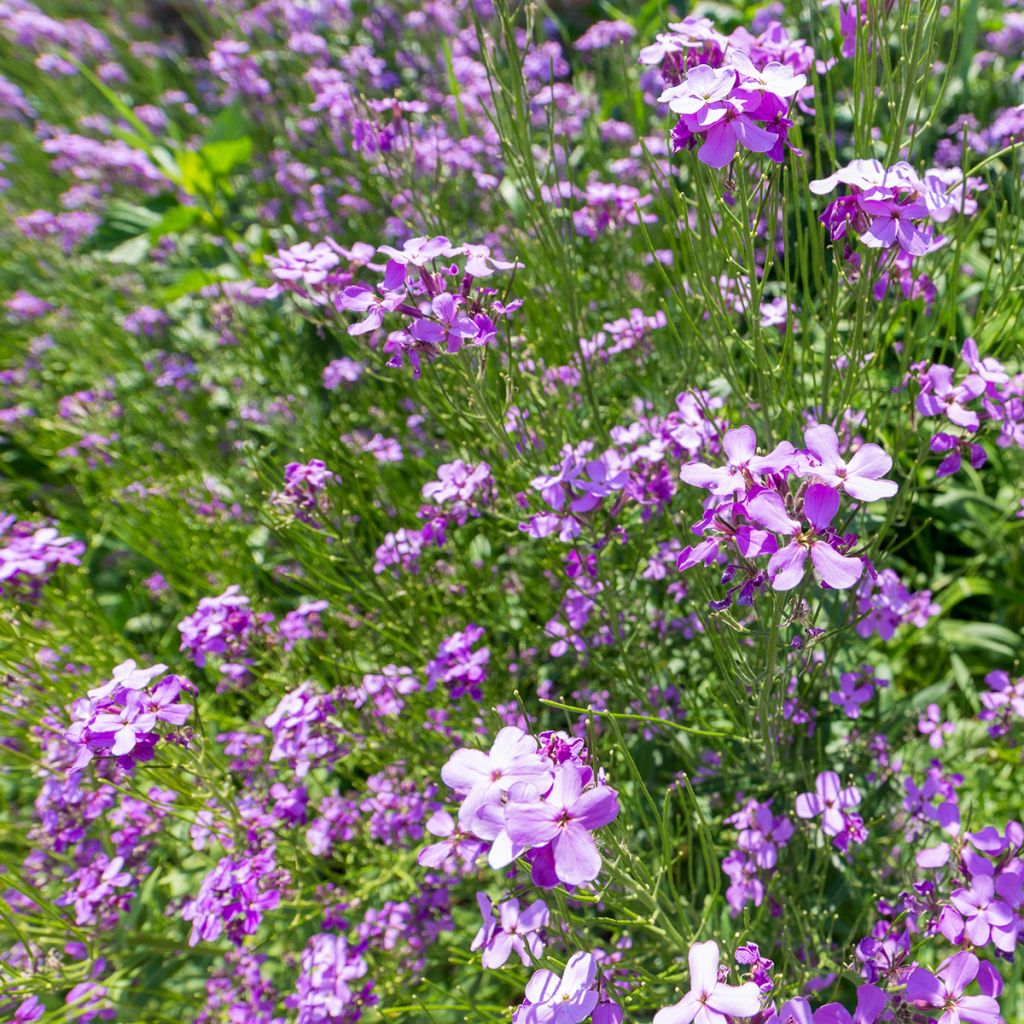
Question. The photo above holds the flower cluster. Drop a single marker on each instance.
(234, 896)
(894, 207)
(305, 490)
(834, 804)
(761, 835)
(444, 304)
(30, 555)
(737, 104)
(507, 929)
(542, 801)
(223, 626)
(762, 515)
(330, 988)
(459, 665)
(1003, 702)
(120, 718)
(302, 732)
(985, 393)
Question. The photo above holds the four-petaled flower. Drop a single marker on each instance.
(710, 1001)
(828, 800)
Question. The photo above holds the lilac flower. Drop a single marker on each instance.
(481, 778)
(462, 487)
(603, 34)
(340, 371)
(931, 725)
(305, 490)
(448, 327)
(761, 834)
(855, 689)
(736, 475)
(127, 676)
(120, 718)
(456, 845)
(568, 999)
(302, 623)
(29, 556)
(384, 690)
(360, 299)
(1003, 702)
(710, 1000)
(28, 1010)
(480, 262)
(886, 603)
(234, 896)
(458, 665)
(223, 625)
(720, 108)
(860, 478)
(421, 251)
(871, 1001)
(305, 266)
(882, 206)
(512, 931)
(939, 397)
(944, 990)
(563, 820)
(786, 566)
(303, 735)
(983, 907)
(829, 800)
(329, 988)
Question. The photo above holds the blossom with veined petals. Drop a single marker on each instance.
(861, 477)
(709, 1000)
(568, 999)
(829, 799)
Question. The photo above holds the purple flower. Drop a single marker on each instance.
(486, 778)
(450, 327)
(940, 397)
(710, 1000)
(944, 990)
(459, 666)
(480, 262)
(786, 566)
(512, 931)
(568, 999)
(870, 1004)
(305, 266)
(893, 222)
(736, 475)
(456, 845)
(29, 555)
(328, 989)
(828, 800)
(418, 252)
(860, 478)
(855, 689)
(982, 906)
(563, 821)
(127, 676)
(28, 1010)
(931, 725)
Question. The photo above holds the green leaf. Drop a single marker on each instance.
(994, 640)
(174, 221)
(131, 252)
(196, 179)
(223, 157)
(229, 125)
(194, 281)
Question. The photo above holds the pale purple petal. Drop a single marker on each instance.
(840, 572)
(703, 959)
(786, 567)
